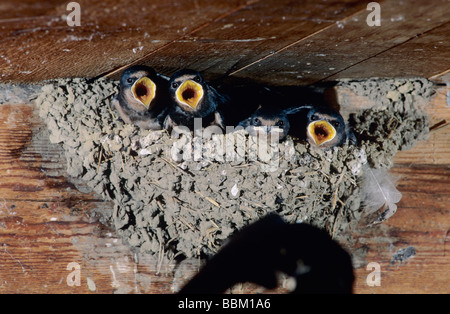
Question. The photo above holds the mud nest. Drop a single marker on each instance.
(186, 196)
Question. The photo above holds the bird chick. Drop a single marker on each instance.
(191, 97)
(142, 97)
(326, 128)
(270, 122)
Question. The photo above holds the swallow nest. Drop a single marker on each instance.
(186, 195)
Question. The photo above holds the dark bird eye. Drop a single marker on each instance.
(197, 79)
(174, 84)
(130, 80)
(336, 124)
(280, 123)
(314, 118)
(256, 121)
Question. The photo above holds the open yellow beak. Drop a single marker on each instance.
(321, 132)
(144, 90)
(190, 93)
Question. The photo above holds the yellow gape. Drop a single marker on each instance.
(321, 132)
(144, 90)
(190, 93)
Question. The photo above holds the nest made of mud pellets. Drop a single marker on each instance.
(168, 200)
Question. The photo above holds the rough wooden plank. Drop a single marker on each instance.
(442, 78)
(250, 34)
(350, 42)
(46, 224)
(112, 33)
(246, 38)
(27, 9)
(423, 222)
(427, 54)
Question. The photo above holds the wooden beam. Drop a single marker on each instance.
(251, 34)
(422, 222)
(46, 224)
(351, 44)
(241, 38)
(112, 33)
(427, 54)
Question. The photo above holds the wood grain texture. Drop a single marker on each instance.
(251, 34)
(427, 53)
(275, 42)
(423, 222)
(46, 223)
(345, 49)
(112, 33)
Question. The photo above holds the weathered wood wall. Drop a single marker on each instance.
(280, 42)
(47, 223)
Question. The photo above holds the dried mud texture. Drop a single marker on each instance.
(396, 121)
(186, 196)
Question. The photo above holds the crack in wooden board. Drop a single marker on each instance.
(41, 232)
(250, 34)
(427, 53)
(113, 32)
(114, 72)
(280, 43)
(339, 48)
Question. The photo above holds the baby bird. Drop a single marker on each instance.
(325, 128)
(270, 121)
(191, 97)
(142, 97)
